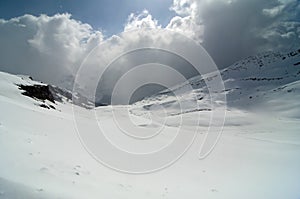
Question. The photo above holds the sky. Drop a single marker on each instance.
(49, 39)
(106, 15)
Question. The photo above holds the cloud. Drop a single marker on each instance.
(187, 26)
(140, 21)
(52, 48)
(234, 29)
(49, 48)
(130, 49)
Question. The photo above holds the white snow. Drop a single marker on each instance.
(257, 156)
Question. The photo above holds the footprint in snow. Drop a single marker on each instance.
(44, 169)
(127, 187)
(214, 190)
(78, 169)
(29, 141)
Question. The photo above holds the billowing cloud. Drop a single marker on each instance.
(234, 29)
(119, 54)
(52, 48)
(188, 27)
(49, 48)
(140, 21)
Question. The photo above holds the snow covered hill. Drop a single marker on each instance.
(268, 80)
(41, 155)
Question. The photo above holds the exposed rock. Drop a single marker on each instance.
(44, 106)
(40, 92)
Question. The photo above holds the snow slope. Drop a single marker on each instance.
(257, 156)
(255, 82)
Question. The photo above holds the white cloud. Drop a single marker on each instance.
(130, 41)
(273, 12)
(233, 29)
(141, 21)
(187, 27)
(185, 7)
(49, 48)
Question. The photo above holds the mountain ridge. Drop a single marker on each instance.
(246, 82)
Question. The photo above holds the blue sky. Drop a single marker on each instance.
(107, 15)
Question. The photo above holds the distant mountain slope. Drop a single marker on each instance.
(266, 80)
(23, 89)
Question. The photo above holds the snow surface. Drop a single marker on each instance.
(257, 156)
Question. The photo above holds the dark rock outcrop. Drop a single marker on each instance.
(40, 92)
(53, 94)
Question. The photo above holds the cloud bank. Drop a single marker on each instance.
(234, 29)
(51, 48)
